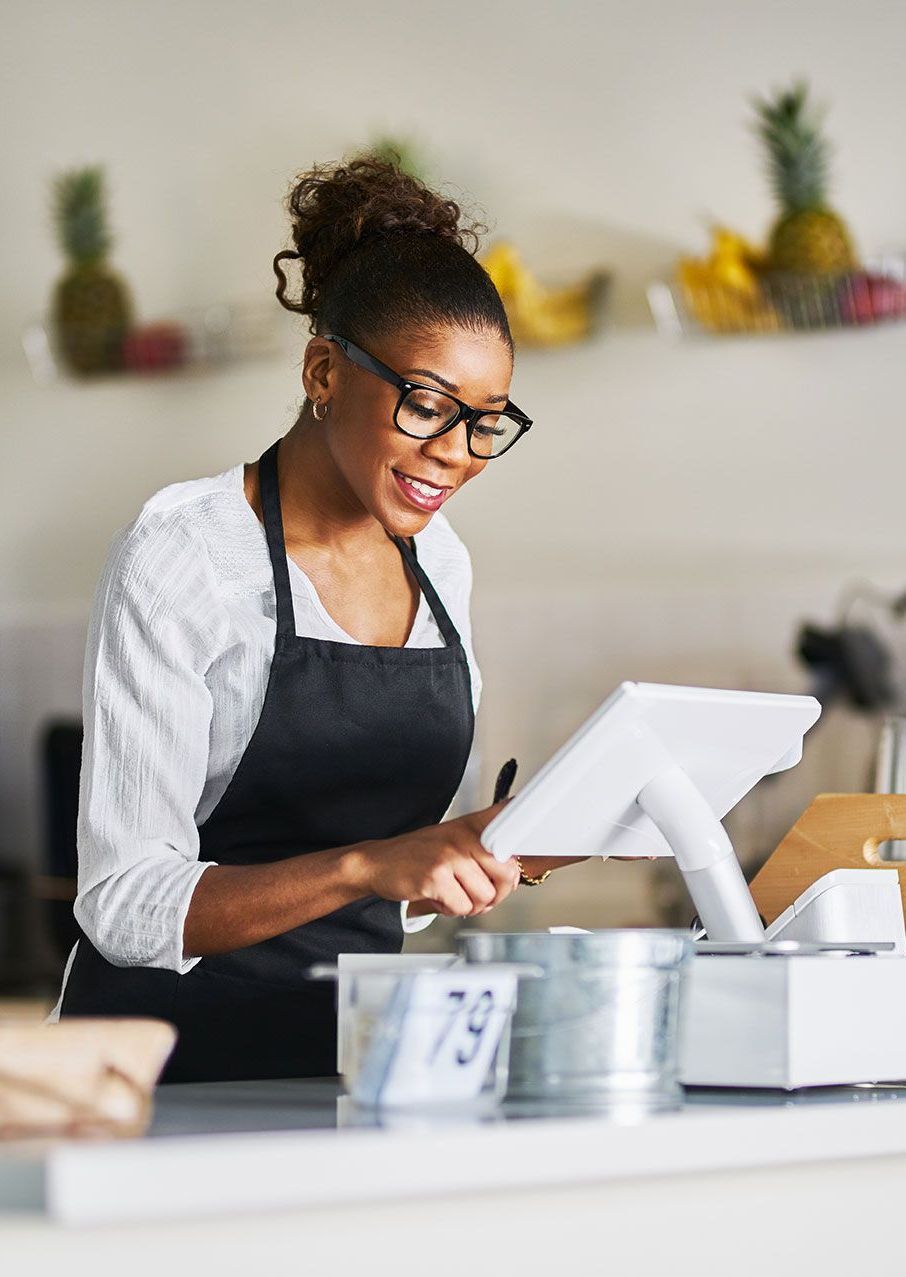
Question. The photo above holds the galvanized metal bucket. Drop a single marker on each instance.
(602, 1024)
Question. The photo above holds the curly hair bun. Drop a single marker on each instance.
(336, 208)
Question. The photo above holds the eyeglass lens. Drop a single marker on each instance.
(424, 413)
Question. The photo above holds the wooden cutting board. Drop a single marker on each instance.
(837, 831)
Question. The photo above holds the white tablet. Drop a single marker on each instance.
(583, 801)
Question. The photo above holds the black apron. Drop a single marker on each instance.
(353, 743)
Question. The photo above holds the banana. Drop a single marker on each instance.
(722, 290)
(541, 316)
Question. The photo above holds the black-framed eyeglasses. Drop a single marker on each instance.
(424, 412)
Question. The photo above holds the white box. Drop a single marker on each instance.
(844, 905)
(788, 1022)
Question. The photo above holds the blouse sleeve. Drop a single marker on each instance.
(156, 625)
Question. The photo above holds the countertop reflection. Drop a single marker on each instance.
(318, 1104)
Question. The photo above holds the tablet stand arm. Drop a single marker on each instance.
(705, 856)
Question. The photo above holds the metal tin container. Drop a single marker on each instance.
(602, 1024)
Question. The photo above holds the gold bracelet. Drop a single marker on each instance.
(528, 880)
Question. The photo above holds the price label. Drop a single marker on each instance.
(437, 1038)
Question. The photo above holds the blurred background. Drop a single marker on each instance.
(689, 494)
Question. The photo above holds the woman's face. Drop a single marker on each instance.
(375, 459)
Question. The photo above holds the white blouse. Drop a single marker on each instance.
(179, 649)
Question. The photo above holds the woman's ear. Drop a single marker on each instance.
(319, 369)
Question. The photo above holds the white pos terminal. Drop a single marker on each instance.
(652, 772)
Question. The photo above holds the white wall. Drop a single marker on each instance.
(677, 506)
(611, 127)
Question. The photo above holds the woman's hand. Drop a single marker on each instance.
(441, 869)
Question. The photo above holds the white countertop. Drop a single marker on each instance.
(235, 1147)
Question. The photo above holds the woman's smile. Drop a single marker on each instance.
(420, 493)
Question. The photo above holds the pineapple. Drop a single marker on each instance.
(91, 307)
(808, 237)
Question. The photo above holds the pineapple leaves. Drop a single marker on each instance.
(79, 214)
(796, 149)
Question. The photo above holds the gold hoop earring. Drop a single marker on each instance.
(314, 408)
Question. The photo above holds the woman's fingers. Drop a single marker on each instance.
(504, 874)
(480, 888)
(453, 898)
(501, 878)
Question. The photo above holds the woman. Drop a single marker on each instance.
(280, 684)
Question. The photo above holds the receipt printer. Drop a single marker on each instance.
(821, 1002)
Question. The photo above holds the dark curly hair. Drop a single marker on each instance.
(382, 253)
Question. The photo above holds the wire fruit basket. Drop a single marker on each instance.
(196, 338)
(875, 294)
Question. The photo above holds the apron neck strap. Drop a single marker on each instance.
(448, 630)
(269, 488)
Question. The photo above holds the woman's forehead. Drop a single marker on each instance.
(462, 358)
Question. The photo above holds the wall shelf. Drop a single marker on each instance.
(198, 339)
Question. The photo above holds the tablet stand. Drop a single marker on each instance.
(704, 854)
